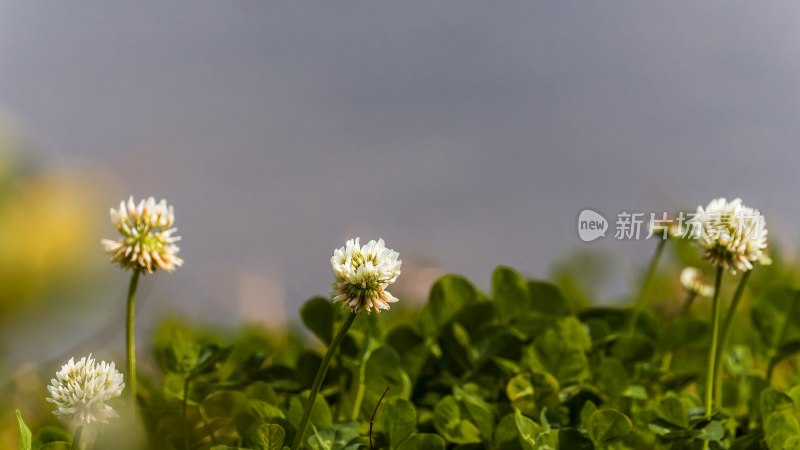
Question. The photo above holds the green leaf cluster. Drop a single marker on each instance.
(528, 365)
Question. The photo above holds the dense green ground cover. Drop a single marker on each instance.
(528, 365)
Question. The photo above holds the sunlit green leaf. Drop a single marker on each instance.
(400, 421)
(780, 426)
(533, 436)
(674, 411)
(547, 298)
(318, 316)
(423, 441)
(452, 423)
(448, 295)
(25, 438)
(607, 426)
(521, 393)
(510, 293)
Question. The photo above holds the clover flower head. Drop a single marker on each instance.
(732, 236)
(80, 390)
(147, 241)
(692, 280)
(363, 273)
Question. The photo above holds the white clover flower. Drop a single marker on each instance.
(80, 390)
(692, 280)
(732, 235)
(363, 274)
(147, 241)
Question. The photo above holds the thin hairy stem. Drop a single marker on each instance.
(639, 305)
(687, 304)
(725, 336)
(315, 387)
(185, 405)
(712, 352)
(372, 420)
(76, 441)
(131, 337)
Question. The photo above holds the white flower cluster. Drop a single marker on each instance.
(80, 390)
(147, 241)
(732, 235)
(363, 274)
(692, 280)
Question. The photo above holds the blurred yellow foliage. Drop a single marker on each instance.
(48, 227)
(49, 241)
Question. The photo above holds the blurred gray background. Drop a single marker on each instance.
(466, 134)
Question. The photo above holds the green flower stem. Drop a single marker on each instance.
(76, 441)
(359, 399)
(781, 335)
(725, 336)
(712, 353)
(639, 305)
(130, 337)
(687, 304)
(362, 373)
(323, 368)
(185, 420)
